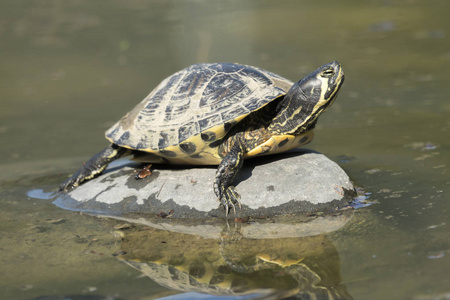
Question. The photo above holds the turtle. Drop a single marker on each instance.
(218, 114)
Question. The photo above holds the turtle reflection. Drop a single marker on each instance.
(232, 265)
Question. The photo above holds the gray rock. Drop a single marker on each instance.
(295, 182)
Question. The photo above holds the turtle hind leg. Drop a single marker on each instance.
(94, 166)
(225, 174)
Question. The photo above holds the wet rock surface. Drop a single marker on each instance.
(297, 182)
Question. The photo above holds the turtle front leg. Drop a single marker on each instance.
(93, 166)
(226, 172)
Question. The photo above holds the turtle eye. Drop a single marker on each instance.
(327, 73)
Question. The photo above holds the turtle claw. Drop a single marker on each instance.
(230, 197)
(233, 194)
(93, 167)
(70, 183)
(66, 186)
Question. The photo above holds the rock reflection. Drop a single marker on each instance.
(294, 268)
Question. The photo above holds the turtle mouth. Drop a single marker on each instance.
(340, 78)
(340, 75)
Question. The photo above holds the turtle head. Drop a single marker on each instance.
(307, 99)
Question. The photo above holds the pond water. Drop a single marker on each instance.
(70, 69)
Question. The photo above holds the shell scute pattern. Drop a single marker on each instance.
(188, 147)
(156, 102)
(231, 114)
(208, 136)
(195, 107)
(187, 130)
(283, 142)
(209, 122)
(164, 140)
(224, 90)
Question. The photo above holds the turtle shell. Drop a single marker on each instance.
(185, 117)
